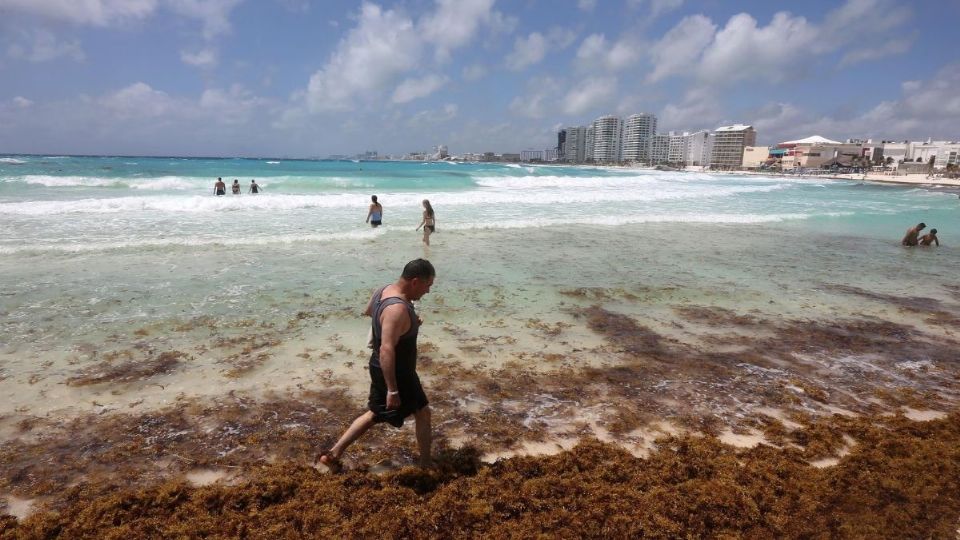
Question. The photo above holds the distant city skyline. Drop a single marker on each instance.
(302, 78)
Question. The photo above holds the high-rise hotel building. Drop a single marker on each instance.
(637, 133)
(607, 138)
(575, 144)
(728, 145)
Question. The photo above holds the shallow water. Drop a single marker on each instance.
(126, 287)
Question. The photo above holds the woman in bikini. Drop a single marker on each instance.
(429, 222)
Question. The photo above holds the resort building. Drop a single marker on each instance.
(728, 144)
(755, 157)
(588, 145)
(816, 152)
(699, 146)
(677, 147)
(607, 138)
(561, 140)
(574, 144)
(637, 131)
(660, 148)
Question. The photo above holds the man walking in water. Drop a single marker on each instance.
(910, 239)
(395, 390)
(219, 188)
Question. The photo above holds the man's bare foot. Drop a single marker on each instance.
(331, 462)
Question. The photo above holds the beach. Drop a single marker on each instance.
(157, 334)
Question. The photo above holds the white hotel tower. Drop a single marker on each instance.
(639, 130)
(607, 137)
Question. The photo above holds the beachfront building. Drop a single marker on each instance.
(942, 153)
(677, 147)
(588, 144)
(607, 138)
(698, 148)
(561, 141)
(637, 131)
(728, 144)
(574, 144)
(660, 148)
(816, 152)
(755, 157)
(531, 155)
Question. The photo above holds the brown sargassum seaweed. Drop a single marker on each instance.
(902, 480)
(120, 475)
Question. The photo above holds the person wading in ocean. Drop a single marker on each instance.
(910, 239)
(395, 389)
(375, 213)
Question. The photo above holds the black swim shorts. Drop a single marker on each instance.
(375, 223)
(412, 397)
(432, 228)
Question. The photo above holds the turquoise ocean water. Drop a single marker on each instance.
(104, 254)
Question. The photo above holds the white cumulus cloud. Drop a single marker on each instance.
(596, 52)
(22, 102)
(527, 51)
(454, 23)
(203, 58)
(43, 46)
(590, 94)
(382, 47)
(681, 47)
(411, 89)
(92, 12)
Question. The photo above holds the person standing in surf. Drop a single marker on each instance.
(219, 188)
(429, 222)
(395, 389)
(254, 187)
(235, 187)
(910, 239)
(375, 213)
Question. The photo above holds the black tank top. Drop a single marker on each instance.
(406, 358)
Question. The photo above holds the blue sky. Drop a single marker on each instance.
(313, 78)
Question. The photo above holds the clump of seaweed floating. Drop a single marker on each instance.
(129, 369)
(899, 481)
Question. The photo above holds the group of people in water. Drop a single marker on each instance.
(913, 238)
(220, 188)
(428, 223)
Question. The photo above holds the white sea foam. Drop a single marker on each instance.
(281, 202)
(634, 219)
(360, 234)
(159, 243)
(273, 162)
(65, 181)
(13, 161)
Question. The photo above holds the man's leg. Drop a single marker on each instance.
(356, 429)
(422, 418)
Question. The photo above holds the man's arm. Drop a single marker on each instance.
(394, 322)
(937, 240)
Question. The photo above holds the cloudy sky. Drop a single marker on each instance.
(313, 78)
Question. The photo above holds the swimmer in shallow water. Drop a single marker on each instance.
(910, 239)
(375, 213)
(219, 188)
(930, 238)
(429, 222)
